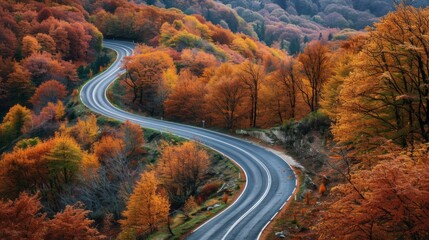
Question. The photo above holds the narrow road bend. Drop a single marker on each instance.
(270, 180)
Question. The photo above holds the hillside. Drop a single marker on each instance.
(281, 22)
(352, 105)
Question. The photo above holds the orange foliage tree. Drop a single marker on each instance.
(385, 202)
(387, 93)
(19, 85)
(47, 166)
(189, 206)
(72, 223)
(30, 45)
(252, 75)
(144, 75)
(225, 95)
(50, 113)
(181, 169)
(317, 69)
(23, 219)
(287, 78)
(186, 102)
(109, 148)
(147, 209)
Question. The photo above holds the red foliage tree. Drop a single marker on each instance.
(49, 91)
(22, 218)
(72, 224)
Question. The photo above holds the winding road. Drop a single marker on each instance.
(270, 180)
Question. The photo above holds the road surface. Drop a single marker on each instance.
(270, 180)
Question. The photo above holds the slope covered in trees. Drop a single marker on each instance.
(373, 87)
(375, 185)
(288, 24)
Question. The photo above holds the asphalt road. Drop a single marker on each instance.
(270, 180)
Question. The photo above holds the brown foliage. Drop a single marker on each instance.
(189, 206)
(47, 166)
(30, 45)
(133, 137)
(72, 224)
(22, 218)
(19, 85)
(49, 91)
(225, 198)
(322, 189)
(144, 75)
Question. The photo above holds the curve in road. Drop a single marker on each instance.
(270, 180)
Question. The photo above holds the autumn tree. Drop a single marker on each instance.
(144, 74)
(72, 223)
(133, 137)
(43, 67)
(47, 166)
(24, 170)
(186, 102)
(182, 168)
(53, 112)
(19, 85)
(288, 77)
(389, 88)
(89, 166)
(109, 147)
(391, 200)
(225, 95)
(273, 106)
(147, 209)
(22, 218)
(316, 69)
(197, 61)
(252, 75)
(30, 45)
(49, 91)
(16, 121)
(63, 160)
(189, 206)
(344, 65)
(46, 42)
(86, 131)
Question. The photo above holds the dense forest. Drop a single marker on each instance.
(68, 174)
(285, 22)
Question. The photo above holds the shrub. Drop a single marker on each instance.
(209, 189)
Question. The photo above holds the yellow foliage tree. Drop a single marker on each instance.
(387, 93)
(147, 209)
(86, 131)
